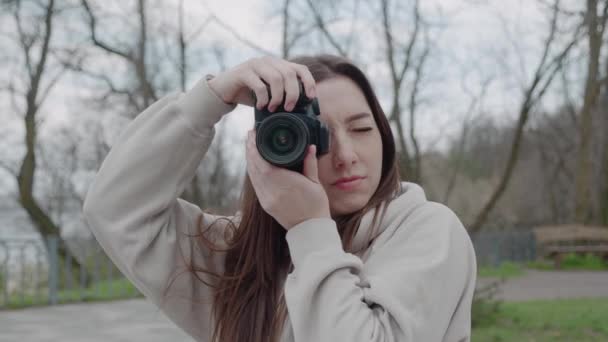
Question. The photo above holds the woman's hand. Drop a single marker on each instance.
(288, 196)
(235, 85)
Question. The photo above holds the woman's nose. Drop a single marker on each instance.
(343, 152)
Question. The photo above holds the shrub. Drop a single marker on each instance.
(486, 308)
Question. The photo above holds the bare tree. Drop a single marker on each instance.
(410, 164)
(193, 193)
(556, 151)
(604, 127)
(544, 74)
(472, 114)
(142, 54)
(61, 161)
(285, 43)
(555, 135)
(294, 27)
(38, 79)
(595, 33)
(135, 55)
(322, 25)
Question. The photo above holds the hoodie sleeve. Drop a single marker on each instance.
(417, 286)
(133, 210)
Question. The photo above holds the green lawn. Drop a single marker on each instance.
(577, 320)
(506, 270)
(570, 262)
(101, 291)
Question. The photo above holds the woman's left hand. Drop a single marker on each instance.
(288, 196)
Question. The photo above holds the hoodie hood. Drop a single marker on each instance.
(408, 197)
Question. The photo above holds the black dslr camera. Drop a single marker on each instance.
(282, 137)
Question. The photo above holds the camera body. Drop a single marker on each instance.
(282, 137)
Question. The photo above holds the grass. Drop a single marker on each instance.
(573, 261)
(570, 262)
(101, 291)
(107, 284)
(541, 321)
(505, 270)
(578, 320)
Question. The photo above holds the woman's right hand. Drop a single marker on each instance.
(235, 85)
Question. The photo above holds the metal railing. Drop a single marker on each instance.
(34, 272)
(494, 248)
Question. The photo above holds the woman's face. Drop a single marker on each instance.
(356, 145)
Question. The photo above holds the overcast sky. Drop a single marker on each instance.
(474, 43)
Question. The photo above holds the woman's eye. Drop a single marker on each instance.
(366, 129)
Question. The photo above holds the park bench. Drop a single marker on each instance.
(556, 241)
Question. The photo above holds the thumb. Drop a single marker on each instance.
(311, 170)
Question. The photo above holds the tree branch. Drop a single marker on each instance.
(241, 38)
(50, 86)
(532, 96)
(8, 168)
(93, 27)
(44, 52)
(413, 108)
(25, 41)
(321, 25)
(410, 47)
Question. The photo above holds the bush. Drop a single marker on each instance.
(485, 308)
(587, 261)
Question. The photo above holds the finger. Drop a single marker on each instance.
(253, 171)
(251, 150)
(274, 79)
(253, 81)
(251, 167)
(307, 80)
(310, 169)
(260, 165)
(290, 81)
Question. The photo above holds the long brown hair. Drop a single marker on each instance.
(248, 304)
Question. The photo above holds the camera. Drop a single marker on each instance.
(282, 137)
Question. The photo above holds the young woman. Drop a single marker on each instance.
(309, 257)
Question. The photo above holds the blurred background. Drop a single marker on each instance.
(499, 110)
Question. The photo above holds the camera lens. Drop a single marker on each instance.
(282, 139)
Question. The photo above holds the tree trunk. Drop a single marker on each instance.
(26, 176)
(25, 179)
(592, 87)
(604, 193)
(604, 198)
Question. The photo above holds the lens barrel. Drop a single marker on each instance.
(282, 139)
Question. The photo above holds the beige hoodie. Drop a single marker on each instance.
(415, 282)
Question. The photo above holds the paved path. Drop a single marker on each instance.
(552, 285)
(133, 320)
(139, 321)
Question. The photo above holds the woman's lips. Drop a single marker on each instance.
(350, 185)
